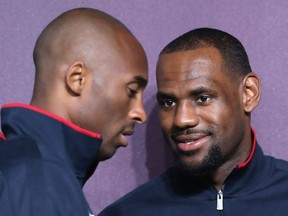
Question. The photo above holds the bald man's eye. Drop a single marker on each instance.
(133, 89)
(132, 92)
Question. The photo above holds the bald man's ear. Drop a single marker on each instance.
(251, 92)
(76, 77)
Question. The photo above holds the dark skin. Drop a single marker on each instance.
(201, 107)
(92, 71)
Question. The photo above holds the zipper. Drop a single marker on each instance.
(220, 200)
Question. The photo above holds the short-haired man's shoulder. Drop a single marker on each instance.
(279, 173)
(144, 195)
(279, 164)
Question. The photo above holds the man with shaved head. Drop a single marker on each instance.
(88, 94)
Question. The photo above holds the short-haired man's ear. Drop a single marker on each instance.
(251, 92)
(76, 77)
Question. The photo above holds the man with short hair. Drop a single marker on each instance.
(206, 93)
(88, 95)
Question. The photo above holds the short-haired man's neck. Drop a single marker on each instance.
(240, 155)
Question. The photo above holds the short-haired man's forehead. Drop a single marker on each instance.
(203, 81)
(186, 62)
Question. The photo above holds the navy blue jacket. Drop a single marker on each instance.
(255, 188)
(5, 208)
(2, 139)
(44, 163)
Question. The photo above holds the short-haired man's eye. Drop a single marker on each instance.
(166, 102)
(204, 99)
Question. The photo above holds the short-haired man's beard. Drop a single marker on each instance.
(203, 168)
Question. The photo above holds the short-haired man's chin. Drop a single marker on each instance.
(200, 169)
(185, 169)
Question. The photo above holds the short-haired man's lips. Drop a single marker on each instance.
(190, 142)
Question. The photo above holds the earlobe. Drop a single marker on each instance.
(76, 77)
(251, 92)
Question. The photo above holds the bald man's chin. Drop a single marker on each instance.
(103, 155)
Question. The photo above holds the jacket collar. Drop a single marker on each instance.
(244, 178)
(247, 178)
(254, 144)
(2, 138)
(58, 140)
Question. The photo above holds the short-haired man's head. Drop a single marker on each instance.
(235, 59)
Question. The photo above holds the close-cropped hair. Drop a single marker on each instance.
(235, 59)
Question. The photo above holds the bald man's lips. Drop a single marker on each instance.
(128, 133)
(124, 140)
(190, 142)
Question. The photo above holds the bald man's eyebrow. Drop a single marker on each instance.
(142, 82)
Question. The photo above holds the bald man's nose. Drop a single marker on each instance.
(138, 113)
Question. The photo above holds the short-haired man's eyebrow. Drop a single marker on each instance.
(201, 90)
(161, 95)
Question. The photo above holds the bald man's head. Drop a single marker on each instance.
(73, 34)
(81, 34)
(92, 71)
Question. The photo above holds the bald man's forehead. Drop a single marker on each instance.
(82, 38)
(71, 26)
(85, 19)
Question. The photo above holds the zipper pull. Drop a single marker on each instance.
(220, 200)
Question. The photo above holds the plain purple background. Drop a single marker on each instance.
(262, 26)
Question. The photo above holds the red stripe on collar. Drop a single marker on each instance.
(51, 115)
(2, 136)
(241, 165)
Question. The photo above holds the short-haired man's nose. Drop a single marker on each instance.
(185, 116)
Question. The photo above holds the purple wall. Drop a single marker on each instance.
(262, 26)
